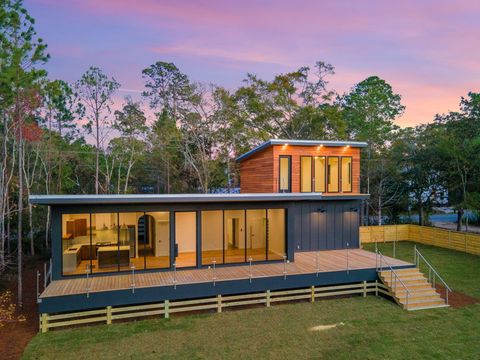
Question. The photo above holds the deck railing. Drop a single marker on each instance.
(380, 259)
(432, 273)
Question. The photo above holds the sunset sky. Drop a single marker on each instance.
(428, 50)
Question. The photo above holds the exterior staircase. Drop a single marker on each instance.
(421, 294)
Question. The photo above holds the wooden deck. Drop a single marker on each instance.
(305, 263)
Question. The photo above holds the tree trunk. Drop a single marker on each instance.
(459, 219)
(97, 154)
(20, 212)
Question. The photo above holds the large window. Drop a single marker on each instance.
(276, 234)
(319, 178)
(212, 237)
(257, 234)
(186, 239)
(333, 174)
(110, 242)
(77, 254)
(346, 174)
(234, 236)
(285, 168)
(305, 173)
(155, 240)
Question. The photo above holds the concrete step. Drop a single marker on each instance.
(408, 281)
(402, 298)
(423, 303)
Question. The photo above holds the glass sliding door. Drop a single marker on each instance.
(285, 170)
(346, 174)
(156, 240)
(276, 234)
(186, 239)
(234, 236)
(333, 174)
(129, 250)
(319, 175)
(257, 234)
(305, 174)
(212, 237)
(77, 251)
(105, 234)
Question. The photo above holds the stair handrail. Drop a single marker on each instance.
(392, 273)
(417, 255)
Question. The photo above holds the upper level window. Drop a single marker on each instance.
(305, 173)
(319, 177)
(285, 183)
(333, 174)
(346, 174)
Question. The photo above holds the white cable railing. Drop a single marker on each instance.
(432, 273)
(379, 260)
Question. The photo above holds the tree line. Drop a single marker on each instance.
(65, 138)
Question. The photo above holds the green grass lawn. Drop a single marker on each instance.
(373, 328)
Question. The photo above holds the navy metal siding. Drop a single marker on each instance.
(327, 225)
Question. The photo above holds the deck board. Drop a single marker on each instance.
(305, 263)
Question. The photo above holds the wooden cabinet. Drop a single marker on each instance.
(77, 227)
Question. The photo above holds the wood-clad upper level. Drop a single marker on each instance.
(327, 167)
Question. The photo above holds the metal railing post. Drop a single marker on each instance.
(38, 285)
(174, 276)
(284, 267)
(214, 275)
(250, 275)
(348, 258)
(316, 264)
(132, 279)
(415, 254)
(87, 284)
(44, 276)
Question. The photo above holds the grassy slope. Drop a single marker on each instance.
(374, 328)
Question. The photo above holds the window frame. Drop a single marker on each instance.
(312, 174)
(324, 174)
(289, 157)
(329, 174)
(350, 173)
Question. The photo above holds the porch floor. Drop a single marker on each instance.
(305, 263)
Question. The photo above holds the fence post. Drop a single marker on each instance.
(284, 267)
(219, 303)
(109, 315)
(376, 287)
(364, 288)
(268, 298)
(167, 309)
(317, 262)
(312, 295)
(44, 323)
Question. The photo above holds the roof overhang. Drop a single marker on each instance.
(272, 142)
(184, 198)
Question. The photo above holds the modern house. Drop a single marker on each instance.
(295, 224)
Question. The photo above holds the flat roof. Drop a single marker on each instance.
(272, 142)
(183, 198)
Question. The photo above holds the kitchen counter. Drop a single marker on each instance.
(71, 258)
(109, 256)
